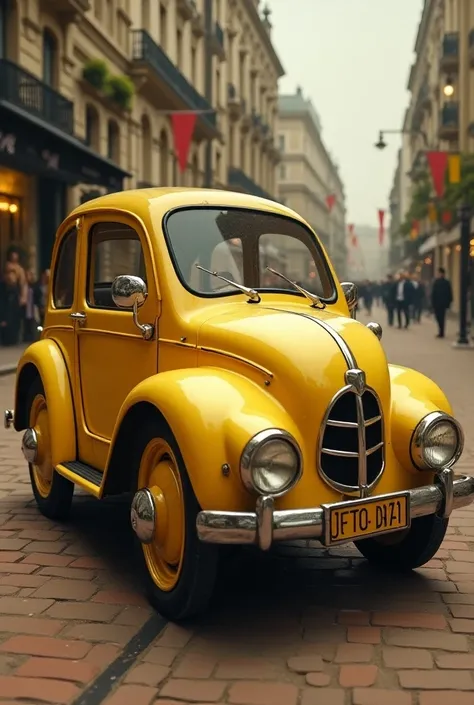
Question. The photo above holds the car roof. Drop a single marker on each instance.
(139, 201)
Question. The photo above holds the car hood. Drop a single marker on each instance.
(306, 352)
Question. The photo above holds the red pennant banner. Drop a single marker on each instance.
(330, 201)
(183, 128)
(446, 217)
(381, 214)
(352, 234)
(438, 163)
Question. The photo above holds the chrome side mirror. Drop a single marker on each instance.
(129, 292)
(351, 295)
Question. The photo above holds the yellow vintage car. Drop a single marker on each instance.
(199, 353)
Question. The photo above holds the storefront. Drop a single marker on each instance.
(38, 165)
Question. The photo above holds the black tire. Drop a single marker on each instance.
(57, 504)
(195, 585)
(418, 545)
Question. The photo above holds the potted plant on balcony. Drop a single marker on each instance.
(120, 89)
(96, 73)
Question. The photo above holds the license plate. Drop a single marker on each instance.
(361, 518)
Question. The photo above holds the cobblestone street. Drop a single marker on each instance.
(298, 626)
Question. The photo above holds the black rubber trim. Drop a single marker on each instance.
(85, 471)
(99, 690)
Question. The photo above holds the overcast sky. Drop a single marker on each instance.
(352, 58)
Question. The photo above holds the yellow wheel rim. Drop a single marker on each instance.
(43, 469)
(159, 473)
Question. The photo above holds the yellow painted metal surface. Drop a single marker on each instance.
(218, 369)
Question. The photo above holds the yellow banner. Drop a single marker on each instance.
(454, 168)
(432, 213)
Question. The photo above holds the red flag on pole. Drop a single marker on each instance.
(381, 213)
(330, 201)
(438, 163)
(353, 237)
(183, 128)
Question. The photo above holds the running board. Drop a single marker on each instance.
(83, 475)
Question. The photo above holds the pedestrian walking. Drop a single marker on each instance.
(404, 299)
(10, 306)
(389, 298)
(418, 298)
(441, 300)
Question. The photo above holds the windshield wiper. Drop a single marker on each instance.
(315, 300)
(251, 293)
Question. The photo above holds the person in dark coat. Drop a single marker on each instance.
(441, 300)
(403, 299)
(388, 297)
(10, 307)
(419, 294)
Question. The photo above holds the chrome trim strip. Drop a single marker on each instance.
(353, 424)
(290, 524)
(338, 339)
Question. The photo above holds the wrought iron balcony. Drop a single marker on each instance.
(147, 52)
(449, 121)
(241, 182)
(25, 91)
(450, 52)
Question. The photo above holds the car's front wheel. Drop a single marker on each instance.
(53, 492)
(408, 549)
(180, 571)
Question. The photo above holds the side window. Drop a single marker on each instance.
(114, 249)
(65, 271)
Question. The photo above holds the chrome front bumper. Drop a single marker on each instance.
(266, 524)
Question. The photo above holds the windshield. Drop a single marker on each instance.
(240, 244)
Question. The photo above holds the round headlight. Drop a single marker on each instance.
(271, 463)
(437, 442)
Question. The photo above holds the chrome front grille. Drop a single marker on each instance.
(351, 445)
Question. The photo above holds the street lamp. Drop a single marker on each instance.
(381, 144)
(448, 89)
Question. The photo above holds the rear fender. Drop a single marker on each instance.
(44, 359)
(212, 413)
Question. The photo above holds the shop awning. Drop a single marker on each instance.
(31, 145)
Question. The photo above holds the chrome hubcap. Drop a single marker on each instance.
(143, 515)
(29, 445)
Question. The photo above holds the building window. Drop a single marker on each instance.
(193, 66)
(282, 172)
(98, 9)
(92, 128)
(281, 143)
(195, 170)
(3, 29)
(109, 9)
(113, 141)
(163, 23)
(218, 166)
(146, 149)
(50, 53)
(179, 49)
(164, 153)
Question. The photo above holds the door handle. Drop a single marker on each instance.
(78, 316)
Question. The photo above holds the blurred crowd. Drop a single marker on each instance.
(22, 300)
(406, 297)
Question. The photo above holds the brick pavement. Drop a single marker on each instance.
(299, 626)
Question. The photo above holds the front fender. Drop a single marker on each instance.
(212, 413)
(413, 396)
(44, 358)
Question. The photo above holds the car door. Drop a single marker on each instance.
(62, 296)
(112, 355)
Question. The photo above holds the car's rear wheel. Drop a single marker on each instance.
(52, 492)
(180, 571)
(407, 549)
